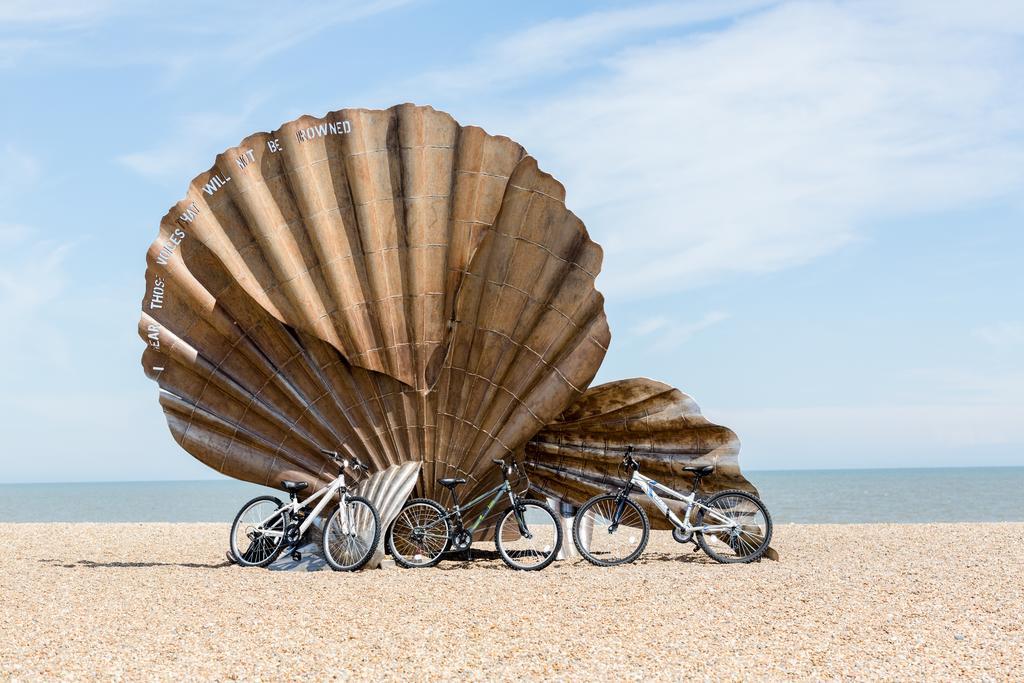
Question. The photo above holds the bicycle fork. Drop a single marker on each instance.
(520, 513)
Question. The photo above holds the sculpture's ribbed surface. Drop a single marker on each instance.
(356, 228)
(402, 288)
(387, 491)
(579, 455)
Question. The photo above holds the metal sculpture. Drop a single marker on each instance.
(391, 284)
(579, 455)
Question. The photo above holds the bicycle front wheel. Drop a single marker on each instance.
(351, 534)
(257, 534)
(739, 527)
(528, 537)
(616, 536)
(420, 535)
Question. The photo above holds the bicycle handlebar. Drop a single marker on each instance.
(506, 468)
(352, 461)
(628, 460)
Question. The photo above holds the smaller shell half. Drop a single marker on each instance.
(579, 455)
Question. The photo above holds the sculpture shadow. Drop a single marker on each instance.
(481, 559)
(92, 564)
(684, 556)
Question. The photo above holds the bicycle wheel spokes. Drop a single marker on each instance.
(351, 534)
(419, 535)
(747, 532)
(608, 542)
(535, 549)
(259, 532)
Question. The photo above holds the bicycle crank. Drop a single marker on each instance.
(680, 536)
(292, 535)
(462, 540)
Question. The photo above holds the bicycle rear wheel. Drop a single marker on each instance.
(750, 527)
(351, 534)
(257, 534)
(611, 543)
(420, 535)
(540, 544)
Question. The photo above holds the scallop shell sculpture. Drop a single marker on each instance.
(388, 282)
(400, 287)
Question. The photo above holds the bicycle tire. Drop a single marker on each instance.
(550, 549)
(638, 513)
(371, 540)
(245, 558)
(401, 558)
(756, 550)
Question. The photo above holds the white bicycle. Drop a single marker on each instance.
(730, 526)
(265, 526)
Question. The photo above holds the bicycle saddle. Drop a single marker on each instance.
(700, 471)
(294, 485)
(451, 483)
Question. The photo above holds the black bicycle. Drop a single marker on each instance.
(527, 533)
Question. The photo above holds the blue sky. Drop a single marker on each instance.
(811, 211)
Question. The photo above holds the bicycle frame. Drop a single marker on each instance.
(294, 506)
(456, 511)
(650, 488)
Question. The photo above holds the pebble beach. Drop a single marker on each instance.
(865, 602)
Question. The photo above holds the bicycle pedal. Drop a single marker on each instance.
(297, 556)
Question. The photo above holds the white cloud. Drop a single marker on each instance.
(255, 43)
(11, 234)
(561, 44)
(1003, 334)
(947, 417)
(13, 50)
(180, 38)
(667, 334)
(196, 140)
(18, 170)
(758, 144)
(52, 11)
(32, 279)
(883, 435)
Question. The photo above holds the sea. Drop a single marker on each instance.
(983, 494)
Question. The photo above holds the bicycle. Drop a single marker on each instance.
(731, 526)
(527, 533)
(266, 526)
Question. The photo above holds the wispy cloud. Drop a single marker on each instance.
(947, 416)
(32, 277)
(11, 234)
(53, 11)
(1002, 334)
(197, 138)
(228, 35)
(19, 169)
(765, 139)
(878, 435)
(559, 45)
(13, 50)
(664, 334)
(295, 26)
